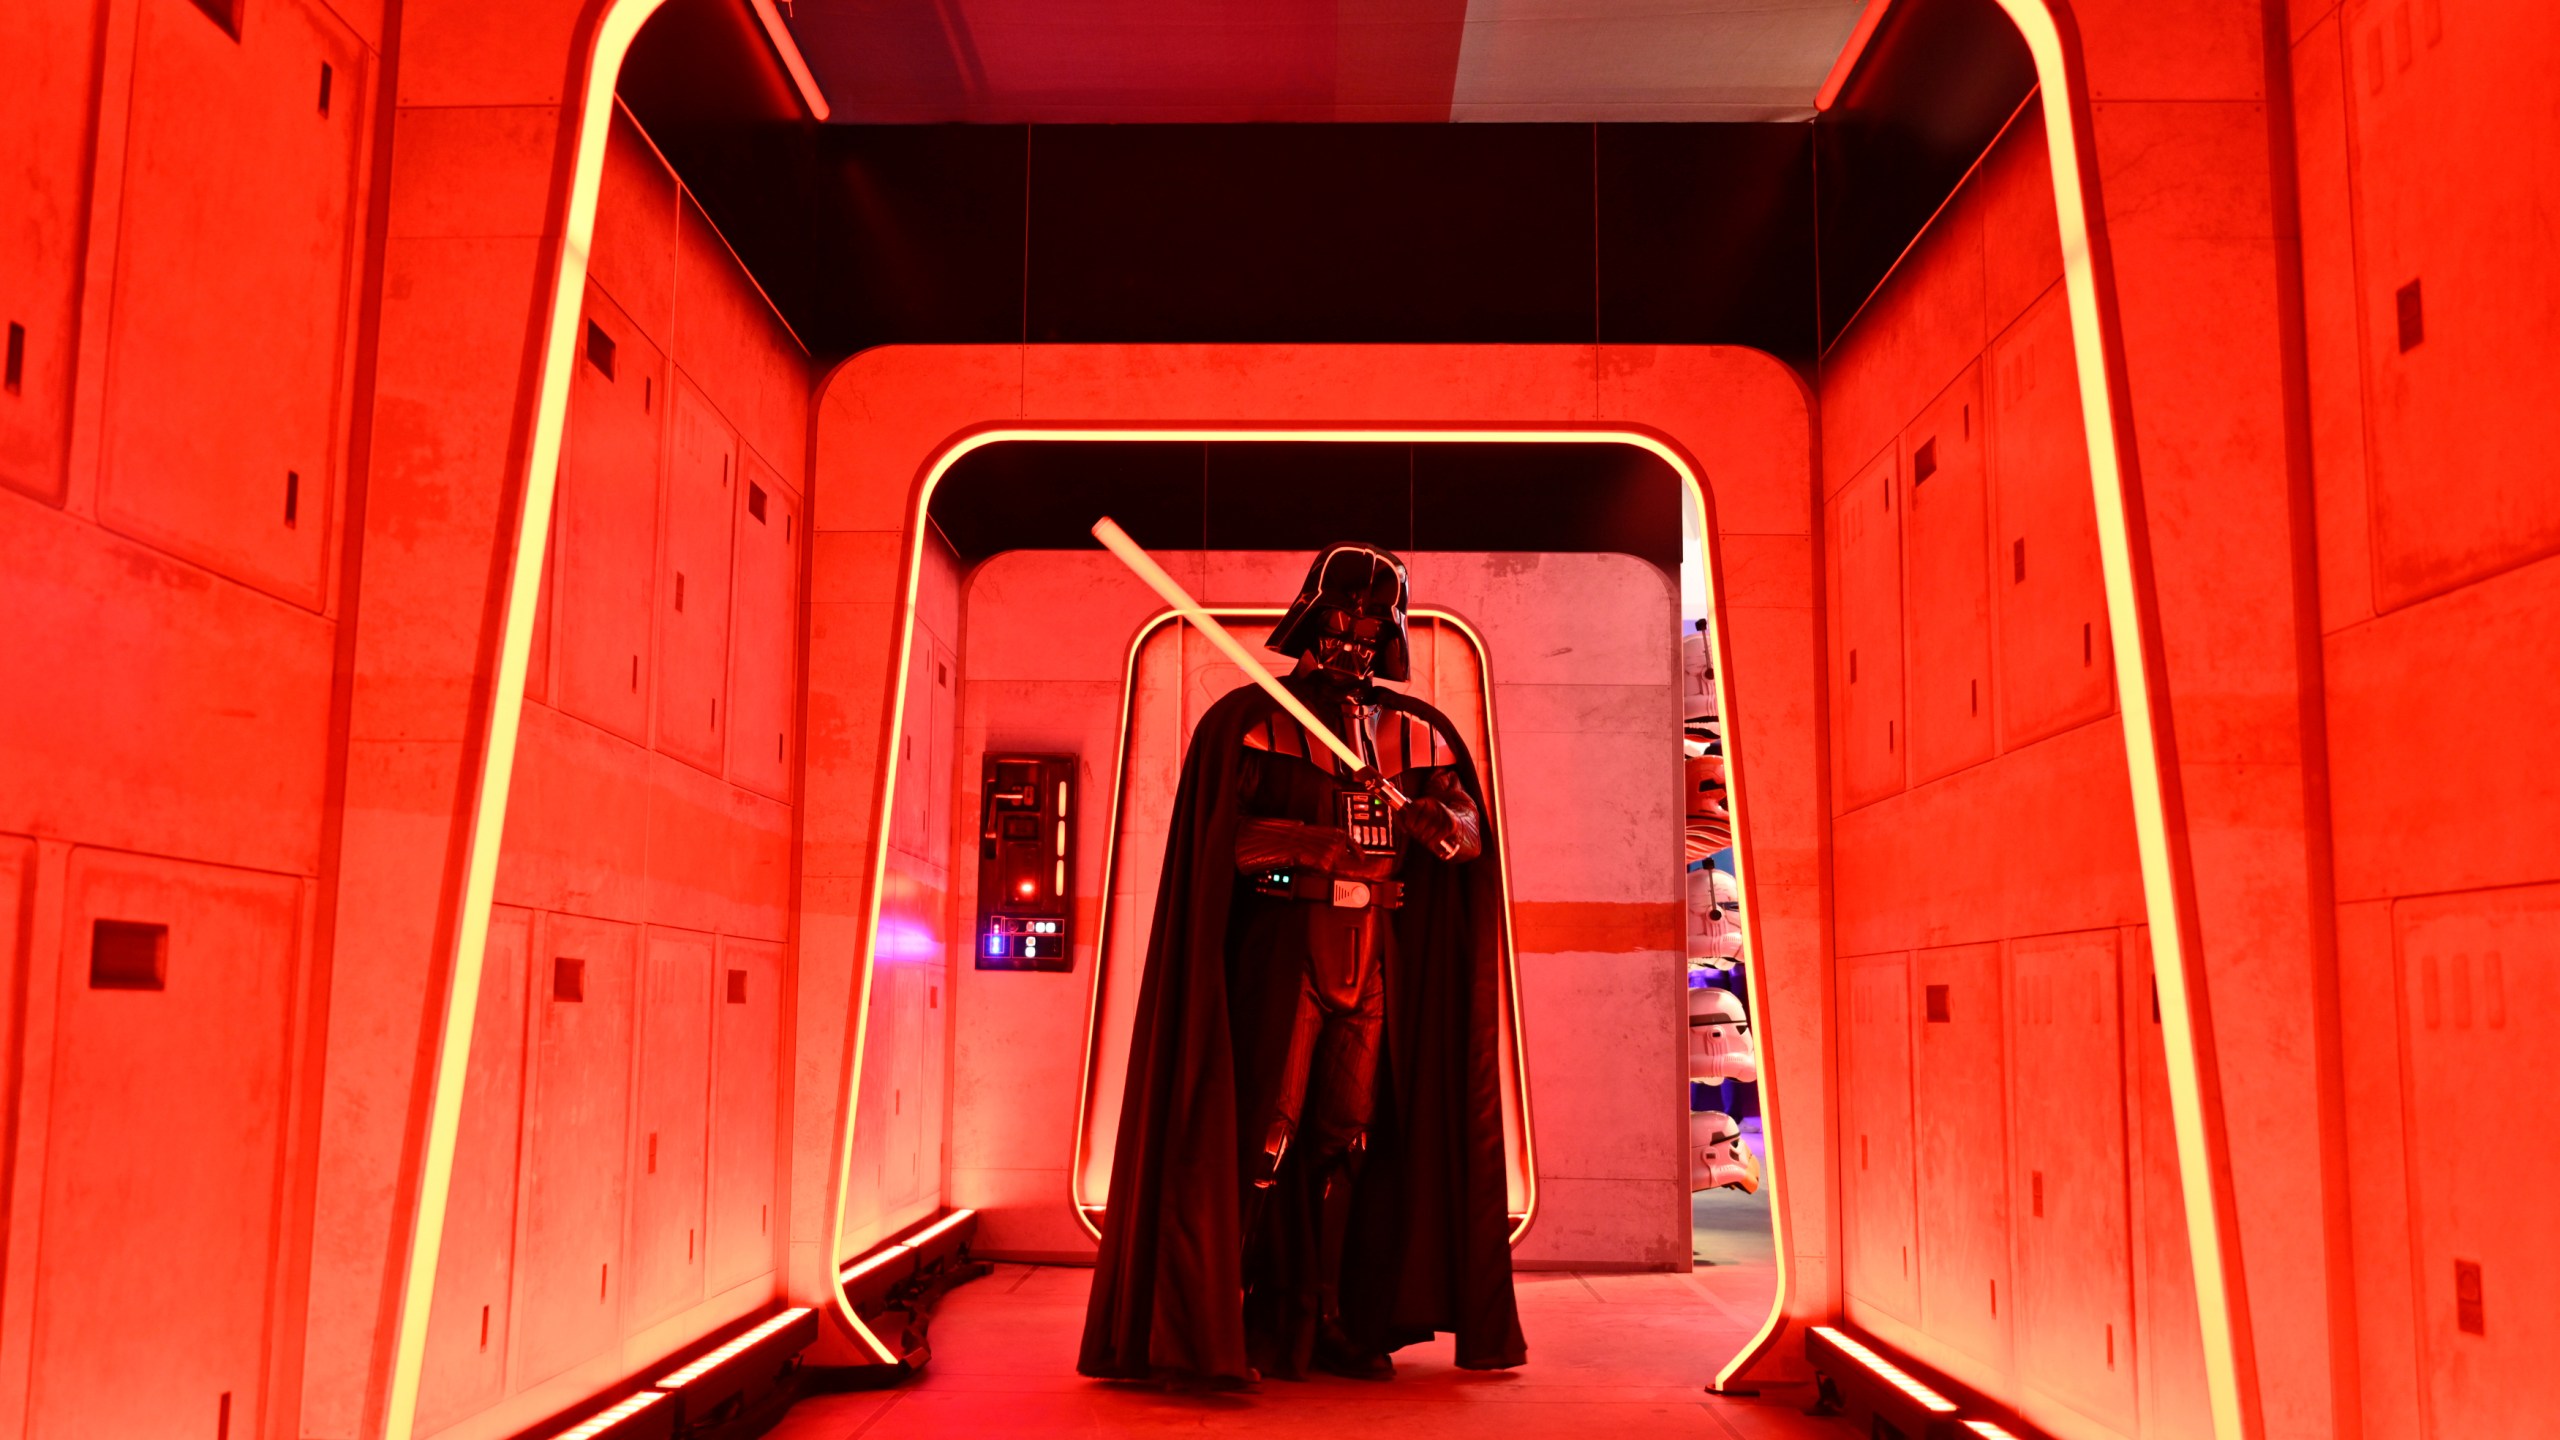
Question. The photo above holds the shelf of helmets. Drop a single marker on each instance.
(1724, 1066)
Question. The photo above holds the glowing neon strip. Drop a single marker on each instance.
(615, 27)
(597, 1424)
(940, 465)
(1988, 1431)
(937, 1229)
(788, 50)
(2195, 1100)
(877, 1259)
(840, 1176)
(614, 30)
(1892, 1374)
(1086, 1211)
(1772, 1131)
(1850, 54)
(732, 1350)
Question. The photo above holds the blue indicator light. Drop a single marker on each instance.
(996, 944)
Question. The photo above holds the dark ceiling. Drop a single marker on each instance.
(1761, 234)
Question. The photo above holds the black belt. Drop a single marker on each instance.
(1315, 887)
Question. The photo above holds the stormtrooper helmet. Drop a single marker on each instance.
(1697, 677)
(1715, 915)
(1720, 1037)
(1717, 1156)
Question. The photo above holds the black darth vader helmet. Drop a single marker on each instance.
(1351, 589)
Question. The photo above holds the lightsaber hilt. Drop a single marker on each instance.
(1117, 541)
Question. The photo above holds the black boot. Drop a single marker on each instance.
(1336, 1353)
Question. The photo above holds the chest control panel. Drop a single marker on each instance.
(1026, 916)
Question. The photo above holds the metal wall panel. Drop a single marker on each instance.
(746, 1080)
(568, 1291)
(693, 582)
(2055, 670)
(764, 647)
(2171, 1349)
(163, 1148)
(673, 1144)
(2074, 1324)
(228, 340)
(1960, 1081)
(1948, 617)
(2452, 109)
(1862, 528)
(466, 1364)
(46, 110)
(1876, 1173)
(2480, 997)
(606, 562)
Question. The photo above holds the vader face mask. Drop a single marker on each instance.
(1350, 616)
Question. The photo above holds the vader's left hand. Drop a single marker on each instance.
(1444, 819)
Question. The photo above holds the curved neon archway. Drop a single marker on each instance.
(1701, 512)
(1085, 1208)
(2168, 888)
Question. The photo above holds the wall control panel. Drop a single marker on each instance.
(1026, 918)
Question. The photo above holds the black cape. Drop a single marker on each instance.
(1428, 1248)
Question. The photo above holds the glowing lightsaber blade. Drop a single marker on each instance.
(1117, 541)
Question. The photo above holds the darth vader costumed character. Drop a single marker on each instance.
(1310, 1170)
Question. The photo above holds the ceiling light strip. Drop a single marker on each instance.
(1850, 54)
(788, 49)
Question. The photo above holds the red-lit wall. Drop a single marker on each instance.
(900, 1174)
(2333, 304)
(203, 737)
(255, 497)
(616, 1185)
(2431, 303)
(2008, 1194)
(175, 451)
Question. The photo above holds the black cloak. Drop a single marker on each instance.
(1428, 1248)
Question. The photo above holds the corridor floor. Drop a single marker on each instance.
(1611, 1357)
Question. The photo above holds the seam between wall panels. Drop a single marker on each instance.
(2344, 1346)
(2033, 95)
(685, 192)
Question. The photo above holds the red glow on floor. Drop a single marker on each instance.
(1618, 1356)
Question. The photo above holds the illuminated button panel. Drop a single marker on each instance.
(1011, 937)
(1026, 902)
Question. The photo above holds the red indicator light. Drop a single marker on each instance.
(1026, 887)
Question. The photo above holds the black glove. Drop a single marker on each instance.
(1444, 819)
(1426, 820)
